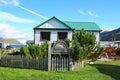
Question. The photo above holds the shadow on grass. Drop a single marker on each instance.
(110, 70)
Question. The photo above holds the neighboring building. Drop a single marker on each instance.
(110, 44)
(9, 42)
(107, 44)
(30, 42)
(54, 29)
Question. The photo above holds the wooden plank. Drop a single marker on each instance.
(49, 57)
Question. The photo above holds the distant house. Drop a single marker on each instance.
(30, 42)
(8, 42)
(54, 29)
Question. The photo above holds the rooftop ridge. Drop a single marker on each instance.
(79, 21)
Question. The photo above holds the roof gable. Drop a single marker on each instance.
(52, 23)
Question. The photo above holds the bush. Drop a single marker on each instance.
(67, 41)
(25, 52)
(35, 51)
(97, 53)
(44, 49)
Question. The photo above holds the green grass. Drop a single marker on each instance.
(97, 71)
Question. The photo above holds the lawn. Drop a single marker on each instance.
(97, 71)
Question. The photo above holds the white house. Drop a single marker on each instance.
(54, 29)
(9, 42)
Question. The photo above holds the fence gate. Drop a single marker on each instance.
(59, 57)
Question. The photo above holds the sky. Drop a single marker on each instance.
(19, 17)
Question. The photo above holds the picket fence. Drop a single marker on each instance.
(12, 61)
(57, 63)
(60, 63)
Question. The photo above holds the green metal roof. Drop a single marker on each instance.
(90, 26)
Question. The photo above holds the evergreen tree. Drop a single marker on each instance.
(83, 43)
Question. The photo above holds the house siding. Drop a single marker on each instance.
(53, 35)
(97, 35)
(37, 36)
(70, 35)
(53, 24)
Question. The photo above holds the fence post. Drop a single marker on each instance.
(49, 57)
(69, 62)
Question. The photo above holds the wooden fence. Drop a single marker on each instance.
(11, 61)
(0, 52)
(57, 63)
(60, 63)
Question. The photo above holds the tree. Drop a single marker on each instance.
(84, 43)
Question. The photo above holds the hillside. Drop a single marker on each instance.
(110, 35)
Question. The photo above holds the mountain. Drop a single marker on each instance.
(113, 35)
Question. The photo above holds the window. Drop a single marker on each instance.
(62, 35)
(45, 36)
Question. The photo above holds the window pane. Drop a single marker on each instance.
(45, 36)
(62, 35)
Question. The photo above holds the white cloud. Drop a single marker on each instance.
(4, 2)
(92, 14)
(12, 2)
(17, 4)
(7, 31)
(81, 12)
(30, 11)
(4, 16)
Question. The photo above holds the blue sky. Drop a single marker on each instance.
(19, 17)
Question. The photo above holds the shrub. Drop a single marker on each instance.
(44, 49)
(67, 41)
(35, 51)
(97, 53)
(32, 50)
(25, 52)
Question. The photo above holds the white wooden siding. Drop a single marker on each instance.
(37, 36)
(53, 35)
(70, 35)
(53, 24)
(97, 34)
